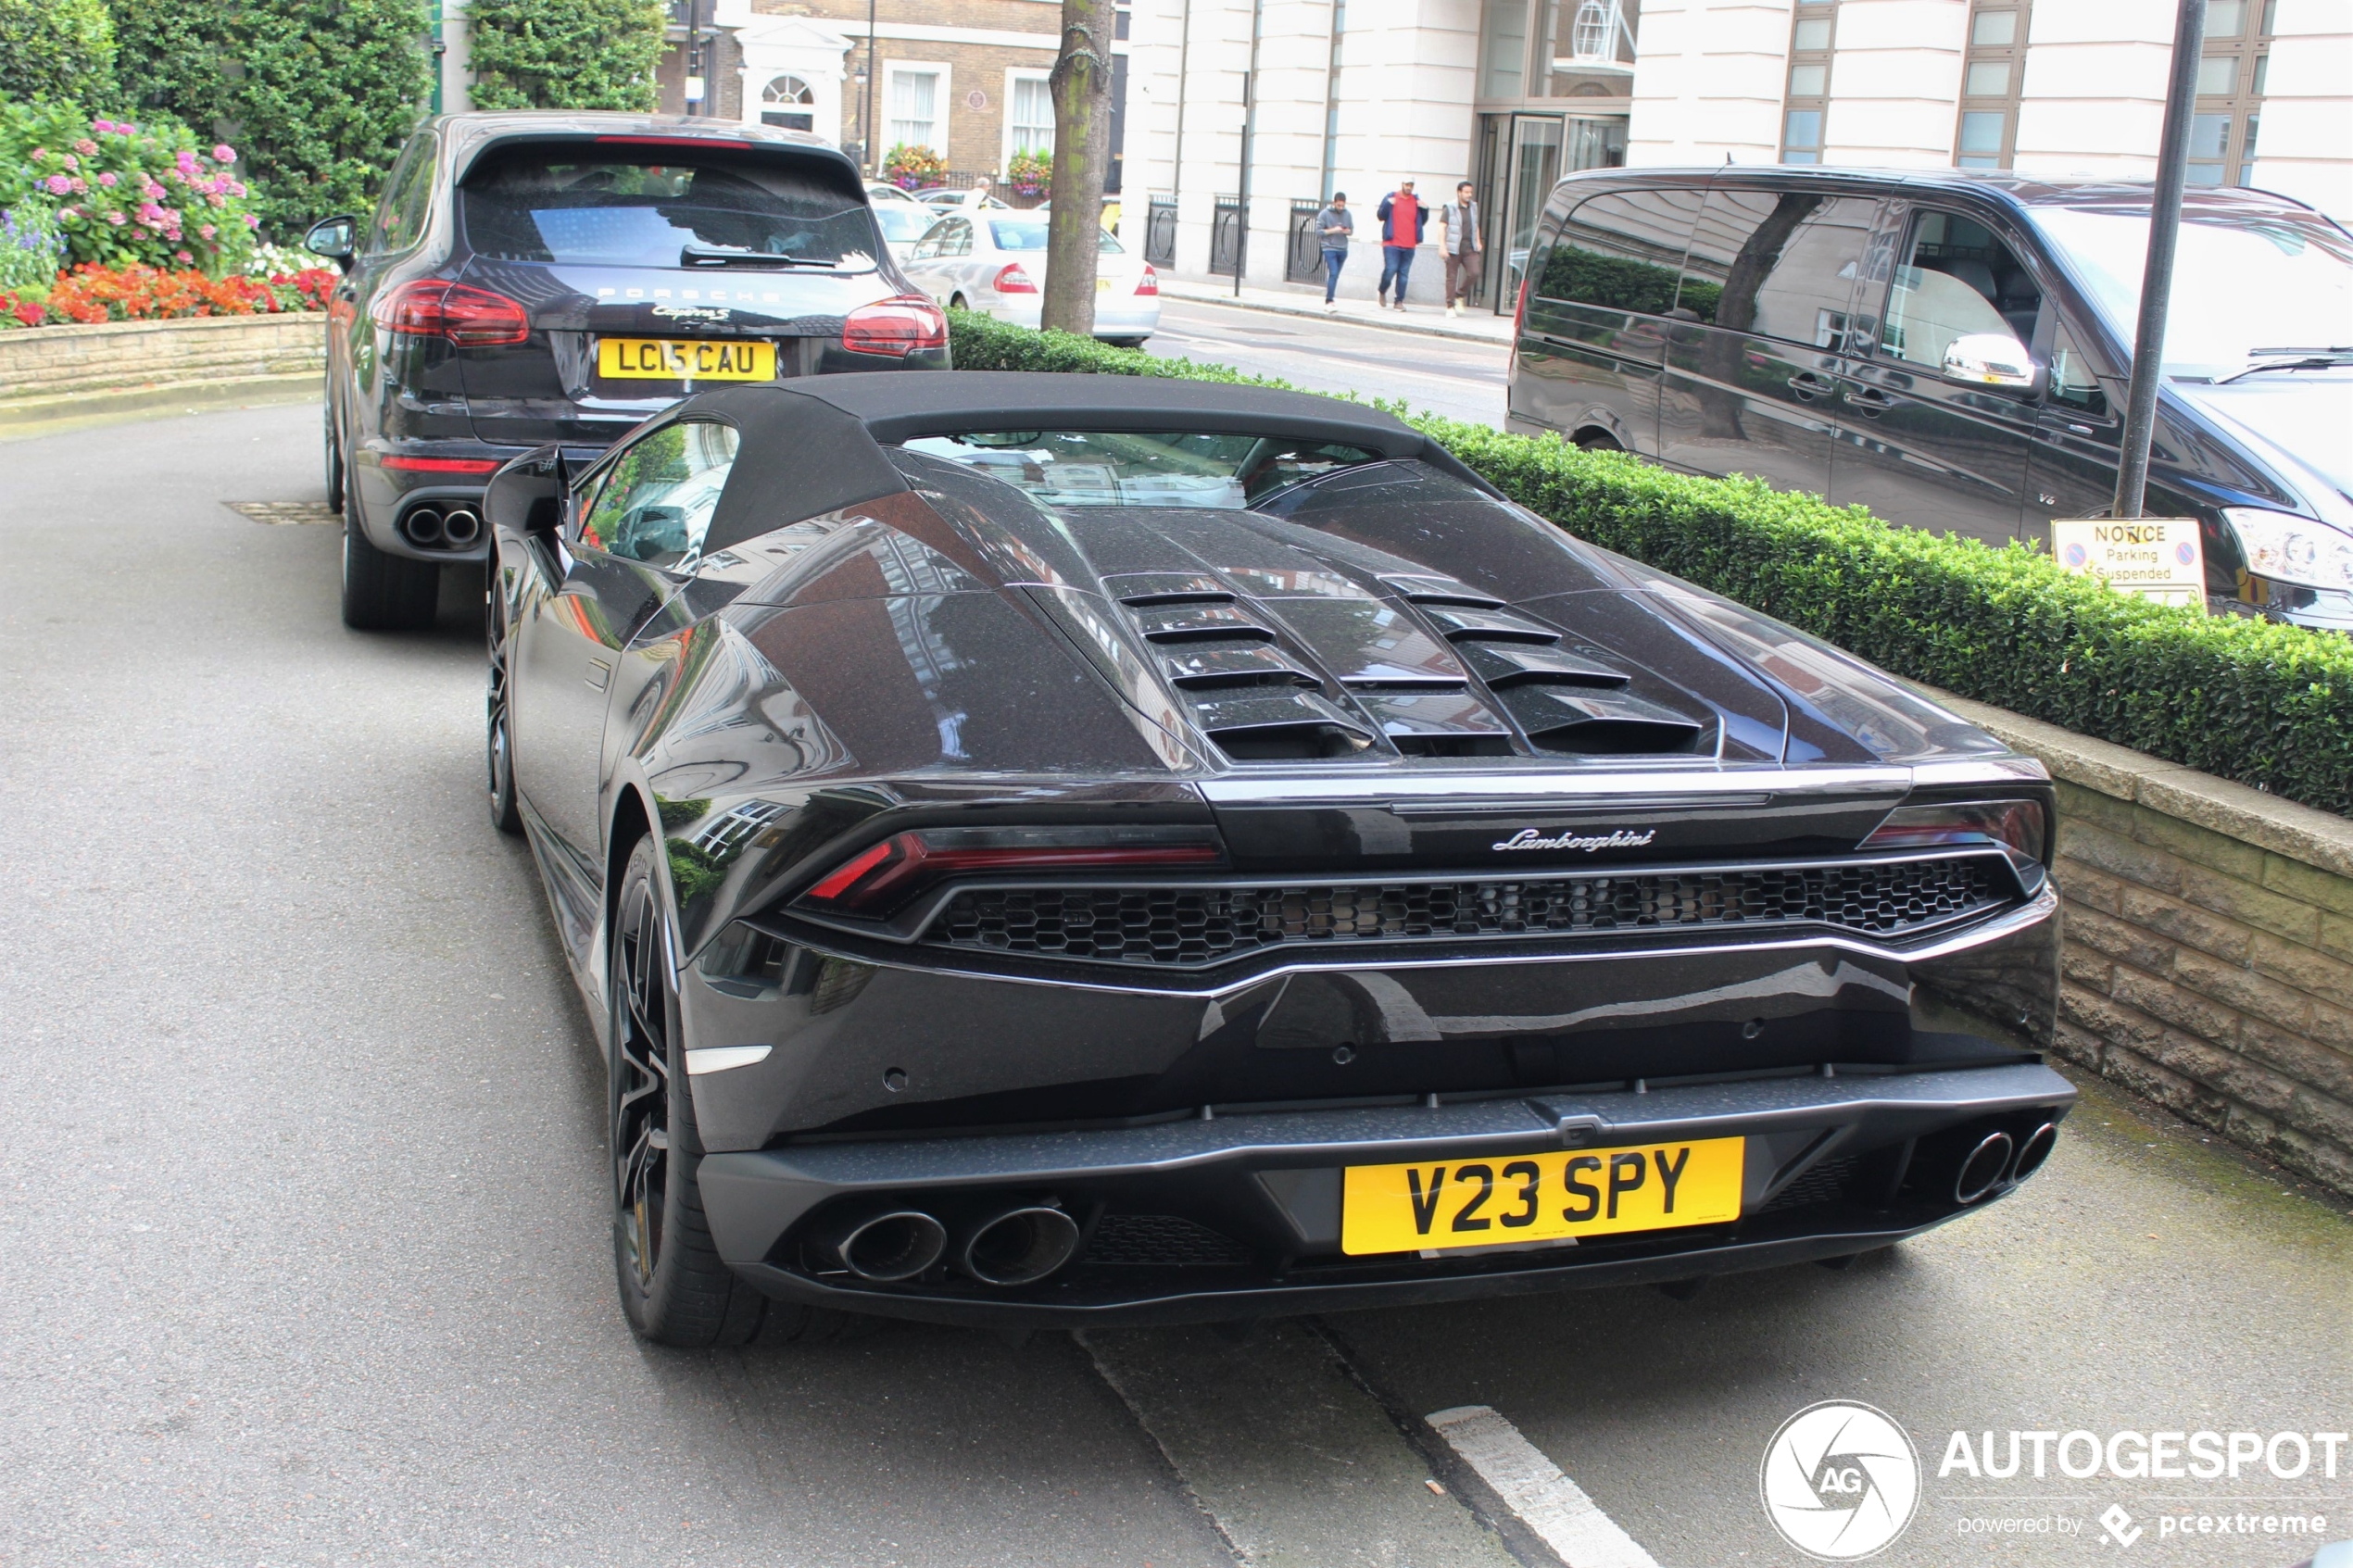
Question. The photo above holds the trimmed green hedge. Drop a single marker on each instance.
(2265, 704)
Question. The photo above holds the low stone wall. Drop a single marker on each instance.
(43, 368)
(2209, 953)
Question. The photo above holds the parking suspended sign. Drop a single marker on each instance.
(2161, 558)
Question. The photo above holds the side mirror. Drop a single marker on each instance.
(337, 239)
(524, 495)
(1993, 359)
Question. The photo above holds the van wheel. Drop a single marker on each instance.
(385, 592)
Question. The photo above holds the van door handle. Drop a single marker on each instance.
(1870, 400)
(1808, 385)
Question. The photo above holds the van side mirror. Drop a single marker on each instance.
(337, 239)
(1992, 359)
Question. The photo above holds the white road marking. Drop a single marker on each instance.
(1533, 1488)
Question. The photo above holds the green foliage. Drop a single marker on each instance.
(693, 871)
(125, 194)
(566, 54)
(56, 49)
(31, 251)
(319, 93)
(2268, 705)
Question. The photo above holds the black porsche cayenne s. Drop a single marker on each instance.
(1060, 849)
(532, 278)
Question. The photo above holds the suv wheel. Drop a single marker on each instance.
(499, 737)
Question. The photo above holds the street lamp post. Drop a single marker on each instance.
(2157, 273)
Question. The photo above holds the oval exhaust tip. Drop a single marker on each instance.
(1982, 1171)
(1020, 1246)
(459, 526)
(2035, 1150)
(892, 1246)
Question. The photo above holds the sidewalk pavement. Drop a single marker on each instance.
(1474, 325)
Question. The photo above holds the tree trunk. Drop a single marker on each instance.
(1081, 86)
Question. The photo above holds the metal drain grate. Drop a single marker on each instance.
(1163, 1241)
(285, 512)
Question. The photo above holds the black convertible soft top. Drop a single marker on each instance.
(813, 446)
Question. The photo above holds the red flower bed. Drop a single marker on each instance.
(91, 293)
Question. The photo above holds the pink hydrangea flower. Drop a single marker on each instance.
(86, 147)
(116, 219)
(184, 255)
(107, 178)
(58, 184)
(207, 231)
(224, 153)
(70, 161)
(79, 186)
(217, 199)
(253, 221)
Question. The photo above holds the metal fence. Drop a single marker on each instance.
(1304, 264)
(1228, 237)
(1160, 232)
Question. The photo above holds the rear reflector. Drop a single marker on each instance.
(897, 327)
(883, 876)
(466, 315)
(443, 465)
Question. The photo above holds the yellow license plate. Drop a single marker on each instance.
(654, 358)
(1103, 285)
(1441, 1204)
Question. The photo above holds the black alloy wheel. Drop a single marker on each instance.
(673, 1288)
(499, 738)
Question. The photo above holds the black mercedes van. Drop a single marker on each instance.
(533, 276)
(1951, 349)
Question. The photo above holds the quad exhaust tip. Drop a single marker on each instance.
(1019, 1247)
(1984, 1168)
(889, 1246)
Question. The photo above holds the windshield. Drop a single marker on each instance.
(549, 204)
(1093, 468)
(903, 222)
(1017, 234)
(2240, 284)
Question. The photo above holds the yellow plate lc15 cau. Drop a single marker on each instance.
(653, 359)
(1442, 1204)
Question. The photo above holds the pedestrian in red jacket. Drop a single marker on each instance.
(1402, 219)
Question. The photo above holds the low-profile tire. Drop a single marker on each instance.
(673, 1288)
(499, 734)
(385, 592)
(332, 452)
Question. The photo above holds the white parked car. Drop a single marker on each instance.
(902, 223)
(995, 263)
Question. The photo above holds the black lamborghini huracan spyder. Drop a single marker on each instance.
(1059, 849)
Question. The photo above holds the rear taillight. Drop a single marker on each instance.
(2018, 826)
(883, 877)
(466, 315)
(897, 327)
(1013, 278)
(1520, 312)
(1150, 282)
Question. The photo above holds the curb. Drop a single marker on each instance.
(1178, 289)
(27, 417)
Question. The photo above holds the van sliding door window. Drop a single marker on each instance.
(1779, 264)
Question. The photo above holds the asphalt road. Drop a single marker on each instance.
(306, 1258)
(1462, 380)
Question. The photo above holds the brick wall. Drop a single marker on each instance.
(2209, 953)
(43, 362)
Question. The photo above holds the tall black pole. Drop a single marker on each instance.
(2156, 276)
(1250, 133)
(873, 157)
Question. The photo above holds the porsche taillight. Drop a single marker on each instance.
(897, 327)
(882, 877)
(466, 315)
(2018, 827)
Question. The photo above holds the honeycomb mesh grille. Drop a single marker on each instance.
(1196, 924)
(1166, 1241)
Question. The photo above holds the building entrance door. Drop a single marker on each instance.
(1534, 168)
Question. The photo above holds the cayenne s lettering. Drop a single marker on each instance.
(1062, 850)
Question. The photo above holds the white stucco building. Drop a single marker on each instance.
(1355, 95)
